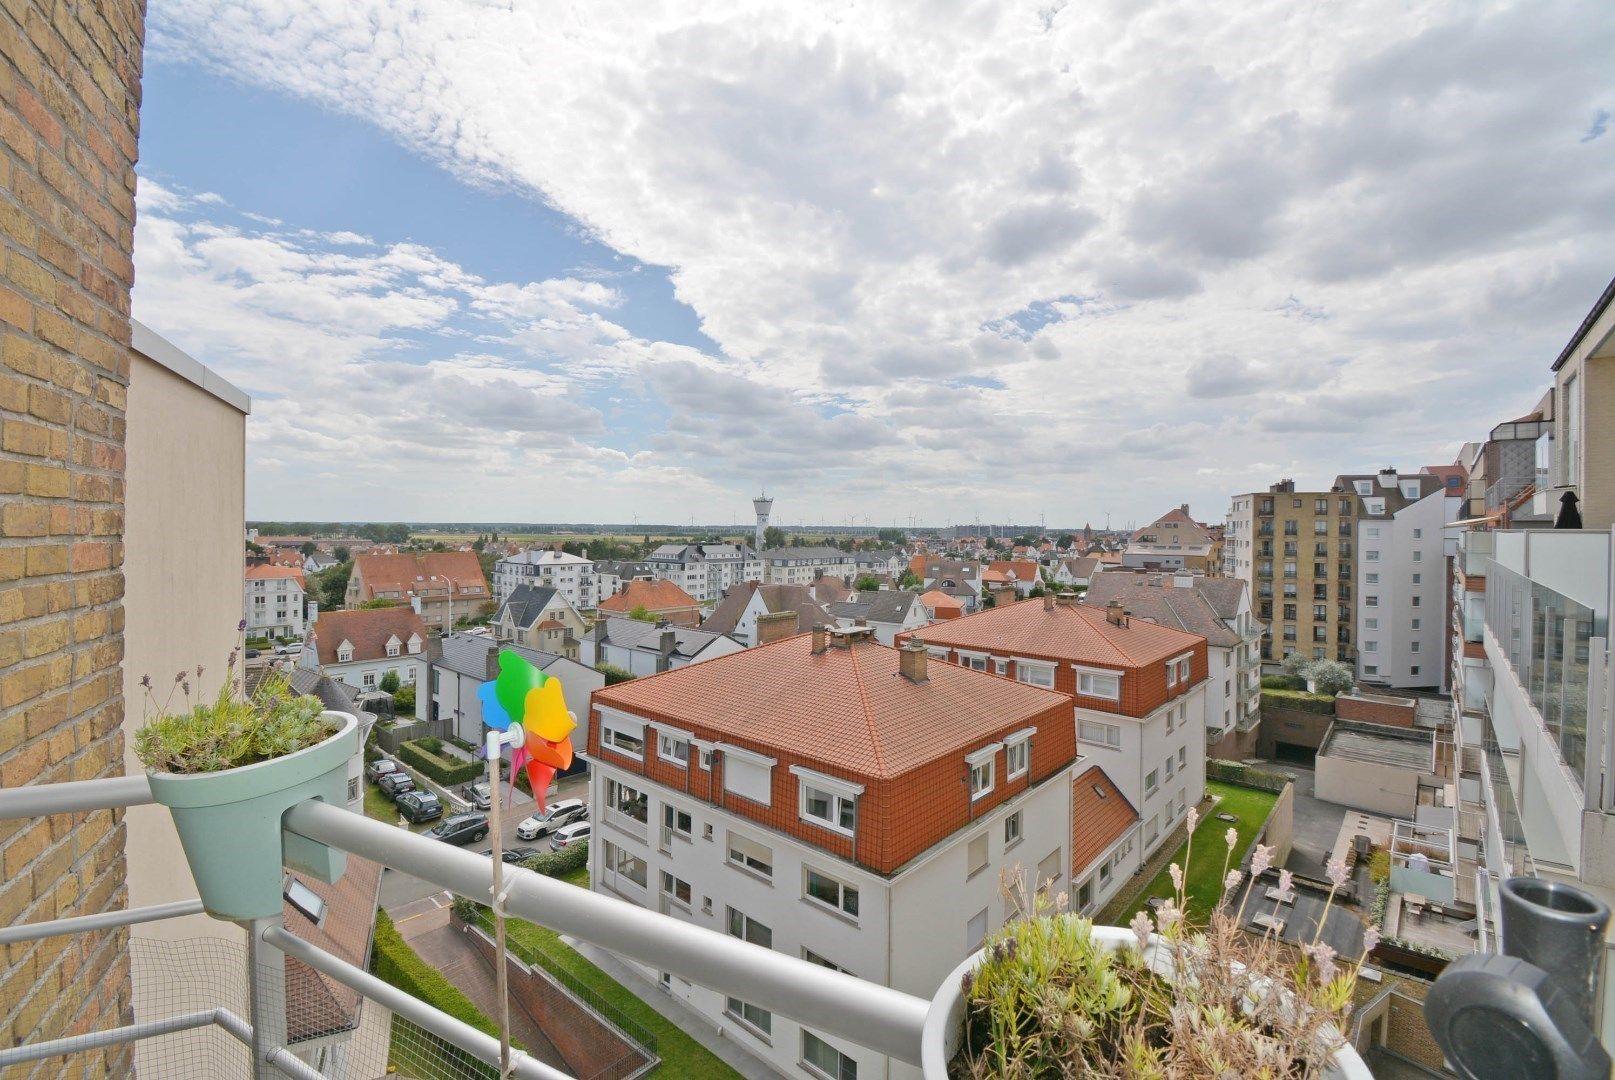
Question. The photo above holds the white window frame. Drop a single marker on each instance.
(1152, 783)
(1088, 680)
(1108, 729)
(1019, 747)
(983, 765)
(614, 723)
(837, 790)
(668, 740)
(731, 849)
(1025, 666)
(839, 908)
(1019, 823)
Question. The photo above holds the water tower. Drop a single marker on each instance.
(763, 505)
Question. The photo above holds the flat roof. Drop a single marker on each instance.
(158, 349)
(1379, 745)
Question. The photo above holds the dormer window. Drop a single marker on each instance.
(414, 643)
(344, 652)
(393, 646)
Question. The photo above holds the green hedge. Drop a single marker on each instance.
(556, 863)
(1282, 682)
(395, 963)
(448, 773)
(1234, 772)
(1299, 700)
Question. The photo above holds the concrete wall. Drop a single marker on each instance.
(1367, 785)
(1279, 833)
(69, 114)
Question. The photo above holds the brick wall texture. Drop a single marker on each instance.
(69, 116)
(1375, 711)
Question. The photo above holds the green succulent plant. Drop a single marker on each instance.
(230, 731)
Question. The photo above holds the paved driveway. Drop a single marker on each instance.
(1317, 824)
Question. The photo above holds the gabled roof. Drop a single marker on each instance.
(1199, 609)
(1100, 816)
(845, 707)
(525, 604)
(776, 598)
(936, 598)
(269, 571)
(688, 642)
(653, 596)
(1069, 632)
(316, 1004)
(414, 572)
(369, 629)
(334, 694)
(547, 557)
(467, 654)
(888, 605)
(1015, 569)
(1080, 567)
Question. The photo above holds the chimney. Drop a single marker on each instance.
(1387, 476)
(664, 648)
(911, 662)
(1048, 601)
(819, 637)
(491, 664)
(774, 627)
(1114, 614)
(1066, 599)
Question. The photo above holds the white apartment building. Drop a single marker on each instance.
(570, 575)
(723, 799)
(705, 571)
(804, 565)
(274, 601)
(1404, 538)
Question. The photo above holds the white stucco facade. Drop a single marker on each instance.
(1158, 762)
(572, 576)
(1402, 586)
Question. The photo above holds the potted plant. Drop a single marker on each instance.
(227, 769)
(1052, 995)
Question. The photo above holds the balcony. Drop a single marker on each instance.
(868, 1014)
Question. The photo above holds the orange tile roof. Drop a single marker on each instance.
(994, 577)
(1019, 569)
(1068, 632)
(845, 708)
(369, 629)
(936, 598)
(1100, 814)
(652, 595)
(268, 571)
(408, 572)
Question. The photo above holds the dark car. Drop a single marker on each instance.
(253, 654)
(419, 806)
(375, 770)
(477, 795)
(567, 835)
(517, 854)
(460, 829)
(394, 784)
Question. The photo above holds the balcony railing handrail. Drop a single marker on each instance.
(886, 1020)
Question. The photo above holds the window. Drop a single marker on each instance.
(749, 1014)
(814, 958)
(1017, 759)
(1104, 873)
(1418, 556)
(1151, 782)
(1414, 670)
(676, 889)
(1417, 578)
(1035, 674)
(826, 1060)
(1001, 667)
(981, 772)
(1373, 578)
(626, 800)
(623, 739)
(829, 808)
(1370, 624)
(976, 931)
(1418, 534)
(1169, 723)
(1371, 646)
(1289, 612)
(1416, 601)
(750, 855)
(1048, 871)
(1364, 487)
(624, 863)
(1183, 756)
(392, 647)
(1152, 830)
(369, 680)
(1371, 556)
(344, 655)
(1094, 684)
(1371, 600)
(1413, 646)
(353, 788)
(673, 750)
(976, 855)
(749, 775)
(1091, 731)
(974, 663)
(1170, 767)
(746, 928)
(305, 900)
(1370, 669)
(830, 892)
(1416, 624)
(1012, 829)
(1085, 895)
(675, 820)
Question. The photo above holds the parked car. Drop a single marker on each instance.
(418, 806)
(460, 829)
(253, 654)
(394, 784)
(517, 854)
(290, 649)
(375, 770)
(568, 835)
(562, 813)
(477, 795)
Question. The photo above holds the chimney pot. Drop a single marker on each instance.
(1114, 613)
(1048, 601)
(818, 639)
(912, 661)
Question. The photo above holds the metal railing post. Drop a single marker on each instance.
(267, 992)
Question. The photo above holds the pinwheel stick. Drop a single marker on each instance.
(516, 736)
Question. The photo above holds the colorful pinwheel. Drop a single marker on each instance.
(525, 695)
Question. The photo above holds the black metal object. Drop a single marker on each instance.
(1530, 1011)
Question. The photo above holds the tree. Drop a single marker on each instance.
(307, 548)
(341, 553)
(987, 599)
(1330, 676)
(333, 585)
(379, 602)
(910, 580)
(1037, 591)
(773, 537)
(614, 674)
(867, 583)
(478, 544)
(404, 701)
(389, 682)
(642, 614)
(1295, 665)
(891, 536)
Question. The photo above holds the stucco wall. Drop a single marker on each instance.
(1367, 785)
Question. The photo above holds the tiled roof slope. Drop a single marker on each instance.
(269, 571)
(1071, 632)
(409, 573)
(652, 595)
(847, 708)
(1100, 814)
(1018, 569)
(369, 629)
(1199, 608)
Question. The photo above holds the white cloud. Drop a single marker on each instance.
(1376, 208)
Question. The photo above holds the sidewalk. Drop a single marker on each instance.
(692, 1023)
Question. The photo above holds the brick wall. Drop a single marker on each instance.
(1392, 712)
(69, 104)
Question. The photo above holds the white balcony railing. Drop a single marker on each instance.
(878, 1017)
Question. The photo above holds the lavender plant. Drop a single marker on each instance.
(1049, 1001)
(191, 735)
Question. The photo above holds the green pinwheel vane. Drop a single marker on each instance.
(526, 705)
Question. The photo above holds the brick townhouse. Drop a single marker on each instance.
(835, 799)
(1137, 690)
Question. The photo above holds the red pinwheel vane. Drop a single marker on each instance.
(524, 697)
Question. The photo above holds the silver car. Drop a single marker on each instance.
(561, 813)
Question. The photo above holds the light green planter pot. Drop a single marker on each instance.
(229, 823)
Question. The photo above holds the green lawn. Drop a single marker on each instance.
(681, 1055)
(1202, 883)
(378, 806)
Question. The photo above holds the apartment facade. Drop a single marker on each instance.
(570, 575)
(803, 565)
(442, 586)
(1173, 541)
(705, 571)
(274, 601)
(1404, 540)
(1137, 690)
(1296, 552)
(1572, 455)
(723, 798)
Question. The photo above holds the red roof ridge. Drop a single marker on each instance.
(869, 714)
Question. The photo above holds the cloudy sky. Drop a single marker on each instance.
(951, 261)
